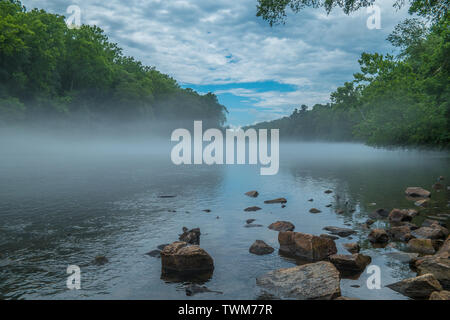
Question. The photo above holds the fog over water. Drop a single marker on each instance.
(65, 199)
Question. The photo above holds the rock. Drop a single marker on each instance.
(352, 247)
(306, 246)
(429, 222)
(313, 281)
(282, 226)
(100, 260)
(250, 221)
(404, 257)
(434, 231)
(328, 191)
(349, 264)
(342, 232)
(253, 225)
(399, 215)
(440, 295)
(417, 192)
(370, 222)
(329, 236)
(402, 233)
(193, 289)
(259, 247)
(424, 246)
(283, 206)
(311, 200)
(252, 194)
(420, 287)
(409, 225)
(278, 200)
(154, 253)
(251, 209)
(378, 236)
(162, 246)
(340, 211)
(422, 203)
(166, 196)
(329, 205)
(346, 298)
(314, 210)
(179, 257)
(379, 214)
(190, 236)
(207, 210)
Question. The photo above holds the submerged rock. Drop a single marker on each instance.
(193, 289)
(314, 281)
(349, 264)
(404, 257)
(352, 247)
(306, 246)
(282, 226)
(259, 247)
(100, 260)
(342, 232)
(399, 215)
(253, 225)
(251, 209)
(420, 287)
(422, 203)
(248, 221)
(179, 257)
(378, 236)
(154, 253)
(328, 191)
(314, 210)
(417, 192)
(190, 236)
(401, 233)
(379, 214)
(278, 200)
(252, 194)
(329, 236)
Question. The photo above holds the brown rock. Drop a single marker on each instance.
(378, 236)
(353, 263)
(282, 226)
(419, 287)
(422, 203)
(306, 246)
(424, 246)
(190, 236)
(352, 247)
(379, 214)
(402, 233)
(252, 193)
(181, 258)
(342, 232)
(398, 215)
(259, 247)
(278, 200)
(417, 192)
(440, 295)
(313, 281)
(434, 231)
(314, 210)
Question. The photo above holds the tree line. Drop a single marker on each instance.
(51, 72)
(394, 100)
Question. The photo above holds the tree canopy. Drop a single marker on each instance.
(50, 71)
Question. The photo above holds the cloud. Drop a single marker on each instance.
(220, 42)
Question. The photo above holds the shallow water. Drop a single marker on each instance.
(66, 204)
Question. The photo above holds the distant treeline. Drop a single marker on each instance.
(52, 73)
(394, 100)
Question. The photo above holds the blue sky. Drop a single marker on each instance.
(259, 73)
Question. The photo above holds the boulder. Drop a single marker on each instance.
(420, 287)
(313, 281)
(342, 232)
(399, 215)
(252, 194)
(259, 247)
(190, 236)
(282, 226)
(179, 257)
(378, 236)
(422, 203)
(423, 246)
(434, 231)
(402, 233)
(440, 295)
(417, 192)
(352, 247)
(306, 246)
(314, 210)
(251, 209)
(379, 214)
(437, 265)
(348, 264)
(278, 200)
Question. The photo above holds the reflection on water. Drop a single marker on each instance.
(63, 206)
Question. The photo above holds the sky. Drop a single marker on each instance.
(258, 72)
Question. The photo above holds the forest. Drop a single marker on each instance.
(401, 100)
(53, 74)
